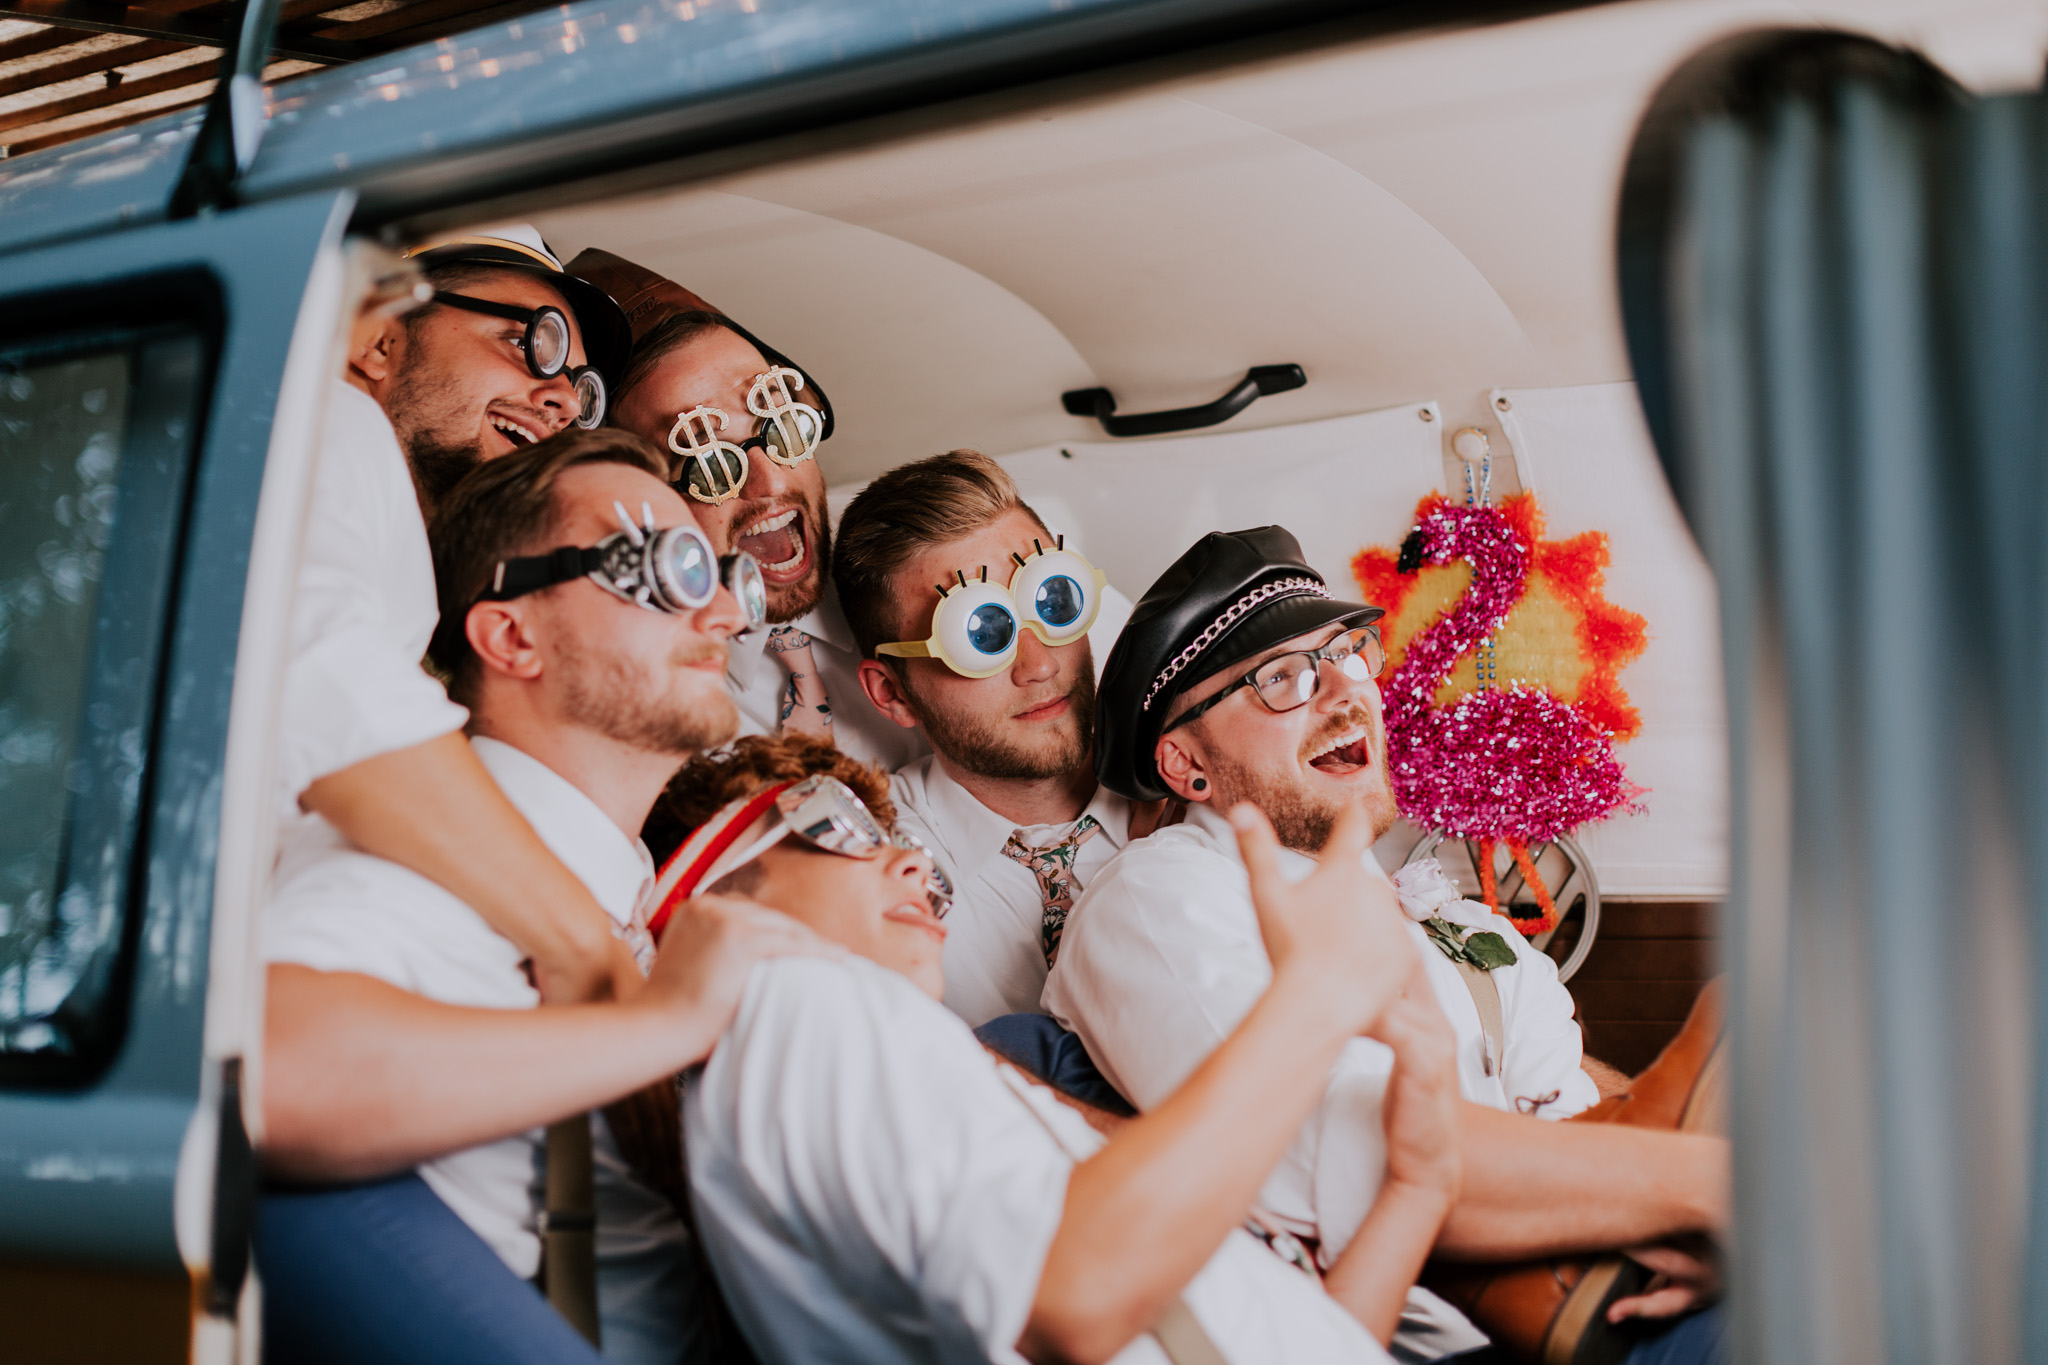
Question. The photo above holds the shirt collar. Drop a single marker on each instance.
(973, 834)
(616, 869)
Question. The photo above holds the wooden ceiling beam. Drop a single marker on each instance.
(201, 73)
(102, 16)
(37, 142)
(91, 64)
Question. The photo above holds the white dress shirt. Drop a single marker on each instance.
(874, 1187)
(1161, 960)
(336, 909)
(995, 957)
(364, 609)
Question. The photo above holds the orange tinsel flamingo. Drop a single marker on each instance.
(1514, 763)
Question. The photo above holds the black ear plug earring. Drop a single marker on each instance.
(1200, 784)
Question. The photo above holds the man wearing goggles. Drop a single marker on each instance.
(871, 1185)
(742, 423)
(1241, 678)
(368, 742)
(980, 640)
(590, 674)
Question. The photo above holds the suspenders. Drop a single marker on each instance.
(569, 1226)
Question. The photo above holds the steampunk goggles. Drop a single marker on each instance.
(672, 569)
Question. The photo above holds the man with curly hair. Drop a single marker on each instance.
(871, 1184)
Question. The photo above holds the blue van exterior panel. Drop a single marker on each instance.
(87, 1172)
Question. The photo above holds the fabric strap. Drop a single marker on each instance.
(1053, 865)
(1486, 999)
(1181, 1335)
(569, 1226)
(804, 708)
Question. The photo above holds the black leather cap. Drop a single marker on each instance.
(1235, 594)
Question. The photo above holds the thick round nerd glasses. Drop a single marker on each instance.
(546, 348)
(826, 814)
(672, 569)
(1287, 681)
(1055, 594)
(713, 469)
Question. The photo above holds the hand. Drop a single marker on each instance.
(1421, 1113)
(606, 972)
(1335, 938)
(708, 951)
(1686, 1278)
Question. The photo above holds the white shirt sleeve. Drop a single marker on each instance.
(364, 609)
(864, 1177)
(1159, 962)
(1542, 1070)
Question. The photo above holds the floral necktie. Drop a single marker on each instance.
(1053, 865)
(804, 707)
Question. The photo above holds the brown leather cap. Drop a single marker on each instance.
(650, 299)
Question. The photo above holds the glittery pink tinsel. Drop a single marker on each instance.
(1510, 763)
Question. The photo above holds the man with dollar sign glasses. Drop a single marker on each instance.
(742, 425)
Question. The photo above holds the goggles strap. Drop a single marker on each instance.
(518, 577)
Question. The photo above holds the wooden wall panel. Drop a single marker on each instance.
(1642, 976)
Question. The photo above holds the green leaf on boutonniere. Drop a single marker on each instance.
(1489, 950)
(1485, 951)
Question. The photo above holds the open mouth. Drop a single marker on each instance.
(777, 543)
(514, 431)
(1343, 754)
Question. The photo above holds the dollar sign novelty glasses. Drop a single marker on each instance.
(546, 348)
(1054, 594)
(714, 470)
(673, 569)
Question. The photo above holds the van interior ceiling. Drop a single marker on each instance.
(1424, 224)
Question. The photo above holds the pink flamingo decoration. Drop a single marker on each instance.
(1512, 763)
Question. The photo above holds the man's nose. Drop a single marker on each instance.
(556, 397)
(1339, 690)
(721, 617)
(1035, 660)
(765, 478)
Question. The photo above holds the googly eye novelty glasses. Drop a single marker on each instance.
(713, 469)
(672, 569)
(1054, 594)
(546, 347)
(825, 813)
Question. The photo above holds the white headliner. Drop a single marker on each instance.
(1430, 217)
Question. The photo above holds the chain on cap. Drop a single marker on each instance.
(1285, 587)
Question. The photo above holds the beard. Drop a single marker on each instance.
(437, 463)
(636, 706)
(1301, 816)
(983, 749)
(436, 469)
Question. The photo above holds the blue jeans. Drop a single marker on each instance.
(1694, 1340)
(1038, 1046)
(386, 1272)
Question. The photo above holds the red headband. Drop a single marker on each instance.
(686, 870)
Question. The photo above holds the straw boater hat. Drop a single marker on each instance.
(650, 300)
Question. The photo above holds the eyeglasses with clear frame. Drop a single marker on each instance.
(1287, 682)
(826, 814)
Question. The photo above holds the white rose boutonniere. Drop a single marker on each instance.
(1455, 925)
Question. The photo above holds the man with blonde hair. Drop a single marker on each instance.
(974, 622)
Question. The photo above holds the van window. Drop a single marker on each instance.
(93, 438)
